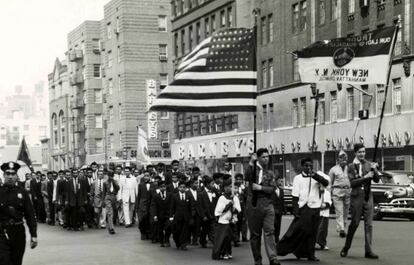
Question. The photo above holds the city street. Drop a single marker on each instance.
(393, 240)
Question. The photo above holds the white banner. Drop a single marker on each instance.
(142, 149)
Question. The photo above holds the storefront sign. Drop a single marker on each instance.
(152, 116)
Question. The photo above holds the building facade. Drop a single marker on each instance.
(206, 140)
(136, 56)
(60, 118)
(285, 107)
(86, 101)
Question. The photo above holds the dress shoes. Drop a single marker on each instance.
(342, 234)
(128, 226)
(371, 255)
(274, 262)
(313, 258)
(111, 231)
(344, 252)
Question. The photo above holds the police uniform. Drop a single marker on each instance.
(15, 205)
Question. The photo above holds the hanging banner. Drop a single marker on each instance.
(152, 116)
(357, 60)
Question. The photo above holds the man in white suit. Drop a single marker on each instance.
(129, 192)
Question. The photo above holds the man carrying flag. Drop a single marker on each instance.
(24, 156)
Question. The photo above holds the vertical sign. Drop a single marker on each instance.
(152, 116)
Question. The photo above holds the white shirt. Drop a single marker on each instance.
(210, 195)
(307, 190)
(194, 192)
(226, 217)
(260, 174)
(148, 186)
(129, 189)
(54, 190)
(175, 185)
(182, 196)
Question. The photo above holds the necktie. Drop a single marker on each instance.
(100, 186)
(182, 197)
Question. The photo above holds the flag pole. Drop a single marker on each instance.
(315, 93)
(397, 27)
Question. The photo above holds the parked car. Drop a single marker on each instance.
(394, 195)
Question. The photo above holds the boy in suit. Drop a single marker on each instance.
(181, 213)
(208, 201)
(241, 225)
(173, 186)
(110, 190)
(143, 206)
(98, 200)
(76, 199)
(160, 207)
(279, 206)
(195, 200)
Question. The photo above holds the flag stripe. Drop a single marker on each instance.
(202, 54)
(209, 95)
(205, 43)
(195, 109)
(207, 102)
(211, 89)
(195, 63)
(217, 75)
(213, 82)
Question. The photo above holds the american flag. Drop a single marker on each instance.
(219, 75)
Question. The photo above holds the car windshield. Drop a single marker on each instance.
(399, 179)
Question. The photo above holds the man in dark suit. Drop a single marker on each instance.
(241, 226)
(36, 192)
(76, 200)
(174, 171)
(181, 213)
(173, 186)
(279, 206)
(89, 208)
(61, 197)
(52, 198)
(361, 172)
(143, 206)
(160, 210)
(208, 200)
(195, 201)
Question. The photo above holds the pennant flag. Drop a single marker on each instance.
(357, 60)
(24, 155)
(142, 153)
(219, 75)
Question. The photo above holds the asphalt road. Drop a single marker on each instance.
(393, 242)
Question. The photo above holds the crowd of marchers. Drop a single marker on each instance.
(220, 210)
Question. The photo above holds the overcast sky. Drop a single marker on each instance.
(33, 34)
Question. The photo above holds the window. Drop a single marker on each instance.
(109, 58)
(265, 118)
(162, 52)
(62, 123)
(270, 115)
(111, 113)
(303, 111)
(350, 107)
(222, 18)
(98, 96)
(111, 141)
(263, 23)
(176, 44)
(190, 38)
(398, 47)
(118, 26)
(334, 107)
(196, 125)
(334, 9)
(321, 109)
(271, 73)
(164, 115)
(165, 136)
(213, 23)
(229, 17)
(119, 83)
(264, 74)
(174, 8)
(162, 23)
(322, 12)
(198, 32)
(295, 17)
(182, 42)
(206, 27)
(184, 5)
(97, 70)
(397, 95)
(295, 69)
(120, 140)
(118, 54)
(99, 145)
(303, 13)
(163, 80)
(271, 28)
(110, 86)
(380, 98)
(351, 6)
(108, 31)
(98, 121)
(120, 111)
(295, 113)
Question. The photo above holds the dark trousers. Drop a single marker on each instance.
(90, 215)
(278, 223)
(195, 230)
(154, 228)
(52, 212)
(207, 230)
(322, 231)
(76, 216)
(262, 219)
(359, 208)
(222, 241)
(164, 230)
(12, 249)
(39, 207)
(144, 226)
(180, 232)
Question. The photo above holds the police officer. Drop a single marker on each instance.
(14, 205)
